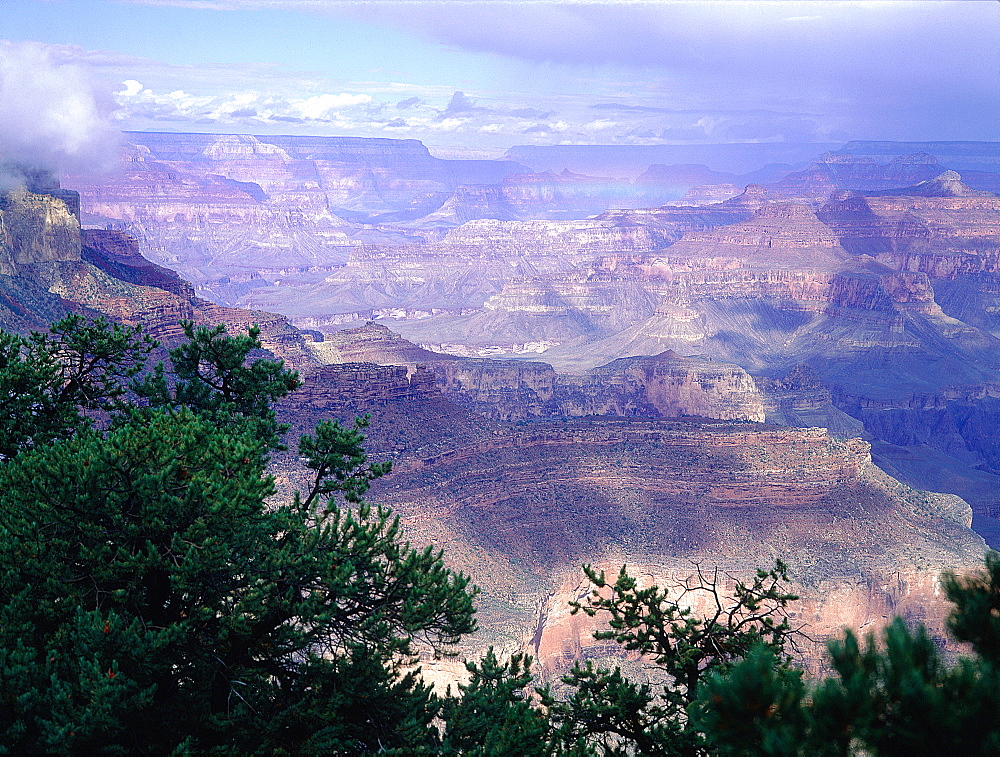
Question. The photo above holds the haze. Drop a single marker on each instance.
(478, 77)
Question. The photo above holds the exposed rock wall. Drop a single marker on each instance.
(664, 386)
(360, 387)
(801, 399)
(118, 254)
(877, 225)
(39, 228)
(7, 266)
(779, 235)
(525, 509)
(575, 238)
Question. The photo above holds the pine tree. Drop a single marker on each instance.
(49, 380)
(607, 714)
(892, 695)
(493, 716)
(151, 600)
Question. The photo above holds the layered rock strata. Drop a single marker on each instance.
(661, 496)
(522, 506)
(663, 386)
(36, 228)
(53, 268)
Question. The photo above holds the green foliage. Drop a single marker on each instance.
(339, 459)
(607, 714)
(494, 716)
(754, 708)
(889, 696)
(49, 380)
(900, 697)
(211, 376)
(976, 617)
(152, 601)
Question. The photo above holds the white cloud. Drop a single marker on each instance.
(132, 88)
(138, 102)
(324, 106)
(52, 114)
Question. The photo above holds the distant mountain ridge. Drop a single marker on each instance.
(632, 160)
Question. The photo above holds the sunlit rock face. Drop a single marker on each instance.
(521, 506)
(577, 239)
(776, 236)
(236, 206)
(959, 223)
(661, 386)
(38, 228)
(664, 386)
(523, 509)
(838, 171)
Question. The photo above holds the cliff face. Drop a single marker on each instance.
(223, 207)
(37, 228)
(776, 236)
(472, 203)
(568, 195)
(961, 224)
(664, 386)
(118, 254)
(48, 267)
(801, 399)
(835, 171)
(573, 238)
(336, 389)
(525, 509)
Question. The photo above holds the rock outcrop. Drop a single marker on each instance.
(337, 389)
(662, 386)
(568, 195)
(48, 267)
(776, 236)
(118, 254)
(36, 228)
(523, 510)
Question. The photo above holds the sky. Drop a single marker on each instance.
(479, 76)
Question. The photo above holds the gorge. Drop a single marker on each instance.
(661, 386)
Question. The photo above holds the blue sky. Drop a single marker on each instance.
(490, 74)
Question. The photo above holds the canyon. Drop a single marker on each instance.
(665, 366)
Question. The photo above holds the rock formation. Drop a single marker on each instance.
(662, 386)
(523, 509)
(37, 228)
(520, 505)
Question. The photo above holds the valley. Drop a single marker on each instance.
(725, 379)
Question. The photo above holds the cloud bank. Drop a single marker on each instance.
(250, 107)
(886, 68)
(53, 115)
